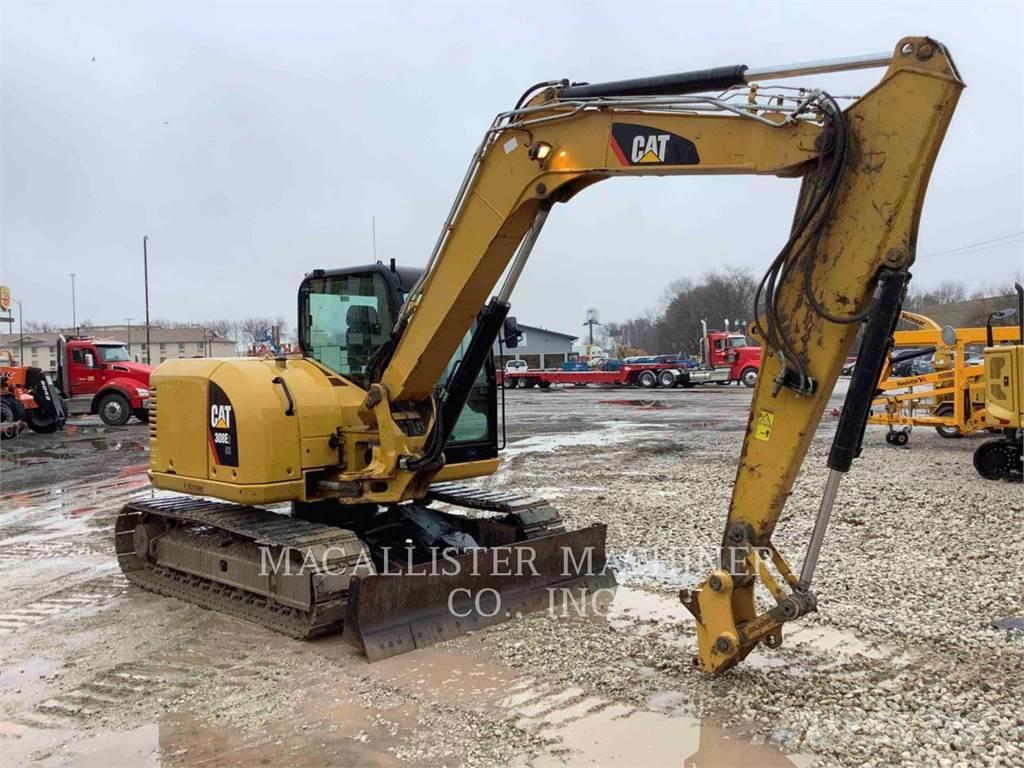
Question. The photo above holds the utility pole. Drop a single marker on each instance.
(74, 314)
(373, 226)
(145, 272)
(21, 334)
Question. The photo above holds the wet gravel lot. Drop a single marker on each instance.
(899, 667)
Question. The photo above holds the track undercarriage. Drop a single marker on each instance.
(394, 579)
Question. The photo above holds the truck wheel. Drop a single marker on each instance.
(749, 377)
(508, 383)
(114, 410)
(667, 379)
(41, 422)
(647, 380)
(142, 414)
(11, 413)
(544, 384)
(528, 383)
(946, 410)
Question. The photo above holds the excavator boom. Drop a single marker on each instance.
(865, 170)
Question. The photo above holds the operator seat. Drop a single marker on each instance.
(361, 336)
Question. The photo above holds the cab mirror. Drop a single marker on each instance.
(510, 333)
(90, 361)
(949, 335)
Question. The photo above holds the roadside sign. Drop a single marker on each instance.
(5, 298)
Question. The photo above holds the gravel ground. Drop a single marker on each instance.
(899, 667)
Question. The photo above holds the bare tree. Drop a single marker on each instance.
(718, 297)
(255, 330)
(946, 292)
(715, 298)
(41, 326)
(224, 329)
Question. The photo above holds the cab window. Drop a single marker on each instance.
(345, 319)
(472, 425)
(113, 353)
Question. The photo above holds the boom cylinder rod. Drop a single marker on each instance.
(524, 253)
(719, 78)
(865, 61)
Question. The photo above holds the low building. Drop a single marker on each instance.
(540, 348)
(164, 344)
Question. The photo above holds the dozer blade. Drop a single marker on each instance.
(396, 612)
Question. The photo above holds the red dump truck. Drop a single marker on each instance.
(98, 376)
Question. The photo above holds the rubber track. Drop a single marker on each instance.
(263, 528)
(534, 516)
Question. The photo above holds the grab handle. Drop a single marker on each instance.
(291, 403)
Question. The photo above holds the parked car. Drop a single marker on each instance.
(916, 366)
(512, 366)
(849, 365)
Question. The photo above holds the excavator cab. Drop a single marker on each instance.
(345, 320)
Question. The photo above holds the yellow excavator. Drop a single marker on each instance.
(369, 433)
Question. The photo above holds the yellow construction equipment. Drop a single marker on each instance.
(392, 399)
(1002, 459)
(951, 397)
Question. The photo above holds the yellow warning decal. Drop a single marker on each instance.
(765, 421)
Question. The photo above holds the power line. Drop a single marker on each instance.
(995, 242)
(993, 279)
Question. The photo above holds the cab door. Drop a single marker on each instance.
(84, 380)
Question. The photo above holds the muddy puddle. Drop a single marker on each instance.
(27, 453)
(610, 433)
(580, 728)
(388, 713)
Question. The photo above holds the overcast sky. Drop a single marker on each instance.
(253, 143)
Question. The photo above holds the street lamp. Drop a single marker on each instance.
(74, 316)
(145, 272)
(21, 334)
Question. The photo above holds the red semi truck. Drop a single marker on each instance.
(646, 375)
(725, 357)
(98, 376)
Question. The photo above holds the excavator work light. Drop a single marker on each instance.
(540, 151)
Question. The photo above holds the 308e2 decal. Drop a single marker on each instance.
(223, 433)
(642, 145)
